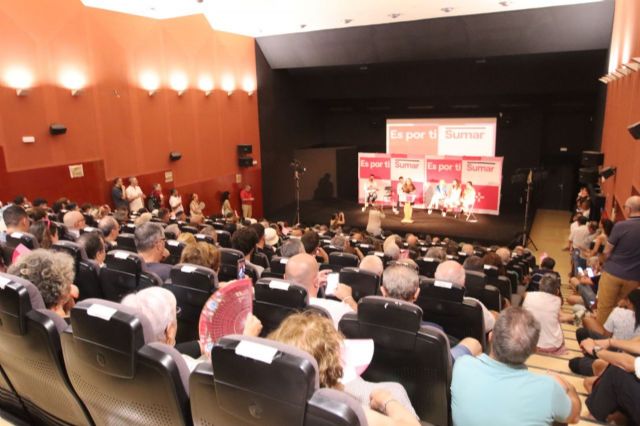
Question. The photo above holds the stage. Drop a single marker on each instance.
(489, 229)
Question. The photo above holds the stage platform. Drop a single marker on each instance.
(487, 230)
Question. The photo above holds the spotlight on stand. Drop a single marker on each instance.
(298, 171)
(297, 167)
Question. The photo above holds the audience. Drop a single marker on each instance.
(74, 221)
(94, 246)
(384, 403)
(202, 254)
(110, 229)
(150, 243)
(311, 242)
(373, 264)
(473, 263)
(46, 234)
(497, 389)
(291, 247)
(118, 196)
(15, 219)
(546, 267)
(245, 240)
(134, 195)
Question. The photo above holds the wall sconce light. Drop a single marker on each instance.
(20, 79)
(179, 82)
(73, 80)
(150, 82)
(205, 83)
(228, 85)
(248, 85)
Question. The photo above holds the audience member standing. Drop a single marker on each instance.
(246, 196)
(622, 269)
(226, 208)
(134, 194)
(156, 199)
(196, 206)
(175, 202)
(118, 194)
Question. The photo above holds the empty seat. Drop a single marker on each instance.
(205, 239)
(192, 285)
(476, 286)
(123, 274)
(239, 388)
(31, 357)
(275, 299)
(406, 352)
(362, 283)
(121, 374)
(188, 228)
(224, 238)
(127, 242)
(343, 259)
(175, 251)
(16, 238)
(427, 266)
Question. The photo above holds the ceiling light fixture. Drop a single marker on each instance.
(393, 15)
(505, 3)
(303, 26)
(446, 9)
(348, 21)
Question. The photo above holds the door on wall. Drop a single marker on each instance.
(558, 190)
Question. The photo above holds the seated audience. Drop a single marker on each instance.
(52, 273)
(436, 253)
(505, 255)
(585, 287)
(400, 281)
(545, 305)
(452, 272)
(150, 243)
(74, 222)
(188, 238)
(15, 219)
(110, 230)
(311, 242)
(473, 263)
(302, 269)
(202, 254)
(392, 251)
(492, 259)
(271, 237)
(546, 267)
(291, 247)
(384, 403)
(164, 215)
(341, 242)
(94, 246)
(143, 218)
(467, 249)
(245, 240)
(174, 229)
(497, 389)
(373, 264)
(46, 234)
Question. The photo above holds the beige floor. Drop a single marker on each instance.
(549, 233)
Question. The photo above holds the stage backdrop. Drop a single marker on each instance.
(426, 171)
(442, 136)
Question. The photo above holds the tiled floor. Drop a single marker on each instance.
(549, 233)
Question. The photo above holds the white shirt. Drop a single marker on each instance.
(374, 226)
(545, 308)
(130, 193)
(622, 323)
(336, 309)
(175, 202)
(489, 319)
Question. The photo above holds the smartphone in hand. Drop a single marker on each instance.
(332, 283)
(241, 269)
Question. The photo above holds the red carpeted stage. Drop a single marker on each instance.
(487, 230)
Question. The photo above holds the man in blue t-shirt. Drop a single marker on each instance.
(498, 390)
(622, 268)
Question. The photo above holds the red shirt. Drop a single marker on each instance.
(246, 197)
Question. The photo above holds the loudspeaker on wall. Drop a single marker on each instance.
(57, 129)
(175, 156)
(634, 129)
(245, 149)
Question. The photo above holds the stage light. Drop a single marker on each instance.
(179, 82)
(205, 83)
(73, 80)
(150, 82)
(228, 84)
(19, 78)
(249, 85)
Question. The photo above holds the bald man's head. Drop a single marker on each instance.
(302, 269)
(451, 272)
(633, 204)
(74, 220)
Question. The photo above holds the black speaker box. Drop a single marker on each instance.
(634, 129)
(175, 156)
(592, 159)
(57, 129)
(245, 149)
(588, 175)
(245, 162)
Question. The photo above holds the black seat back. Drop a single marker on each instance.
(275, 300)
(260, 259)
(229, 263)
(28, 240)
(73, 249)
(427, 266)
(175, 249)
(475, 286)
(192, 285)
(31, 357)
(120, 373)
(405, 352)
(343, 259)
(205, 239)
(120, 275)
(278, 264)
(240, 389)
(126, 241)
(502, 283)
(9, 399)
(362, 283)
(432, 288)
(224, 238)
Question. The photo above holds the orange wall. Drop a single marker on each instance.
(114, 120)
(623, 106)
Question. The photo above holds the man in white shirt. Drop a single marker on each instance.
(302, 269)
(134, 195)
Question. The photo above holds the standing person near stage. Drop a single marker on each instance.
(370, 192)
(468, 197)
(439, 196)
(409, 190)
(134, 195)
(453, 200)
(118, 194)
(399, 186)
(175, 202)
(156, 198)
(226, 208)
(246, 196)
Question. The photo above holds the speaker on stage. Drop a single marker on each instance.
(588, 175)
(592, 159)
(634, 129)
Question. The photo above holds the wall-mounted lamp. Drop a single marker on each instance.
(248, 85)
(179, 82)
(150, 82)
(20, 79)
(228, 84)
(73, 80)
(205, 83)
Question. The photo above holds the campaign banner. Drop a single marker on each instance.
(378, 166)
(444, 168)
(407, 167)
(485, 174)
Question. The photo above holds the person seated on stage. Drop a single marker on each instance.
(399, 198)
(370, 192)
(401, 281)
(439, 196)
(453, 199)
(452, 272)
(303, 270)
(468, 198)
(614, 395)
(497, 389)
(384, 403)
